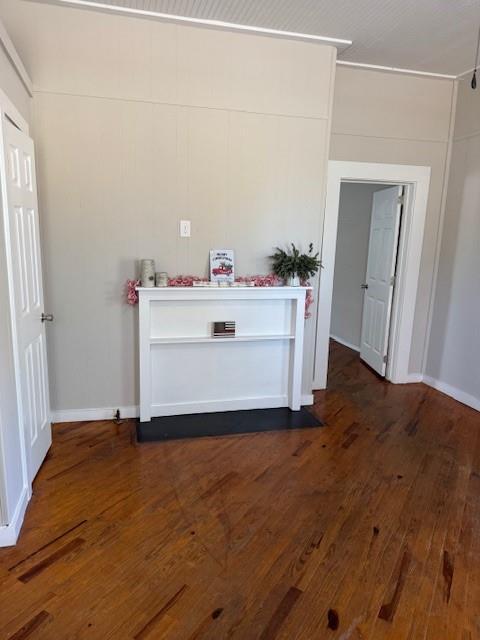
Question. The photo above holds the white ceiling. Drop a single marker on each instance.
(437, 36)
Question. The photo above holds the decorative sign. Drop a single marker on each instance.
(222, 265)
(224, 329)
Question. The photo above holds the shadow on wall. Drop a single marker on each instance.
(453, 354)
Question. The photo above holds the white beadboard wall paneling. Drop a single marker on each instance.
(267, 166)
(467, 116)
(239, 153)
(169, 64)
(407, 34)
(340, 43)
(454, 346)
(385, 105)
(441, 221)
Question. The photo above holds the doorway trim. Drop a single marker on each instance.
(417, 181)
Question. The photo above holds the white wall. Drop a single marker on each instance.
(139, 124)
(354, 215)
(11, 84)
(454, 351)
(399, 119)
(12, 485)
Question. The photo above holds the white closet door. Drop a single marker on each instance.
(379, 283)
(23, 226)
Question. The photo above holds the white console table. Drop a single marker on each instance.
(184, 369)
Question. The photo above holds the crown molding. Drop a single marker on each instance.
(413, 72)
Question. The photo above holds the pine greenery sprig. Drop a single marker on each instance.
(291, 262)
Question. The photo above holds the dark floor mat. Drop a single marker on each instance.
(225, 423)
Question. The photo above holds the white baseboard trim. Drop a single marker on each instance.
(211, 406)
(307, 399)
(85, 415)
(414, 377)
(9, 533)
(108, 413)
(345, 343)
(453, 392)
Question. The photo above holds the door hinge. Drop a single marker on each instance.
(392, 281)
(385, 358)
(401, 200)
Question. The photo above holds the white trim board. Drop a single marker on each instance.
(345, 343)
(90, 414)
(9, 533)
(417, 181)
(126, 412)
(453, 392)
(378, 67)
(214, 406)
(414, 378)
(15, 59)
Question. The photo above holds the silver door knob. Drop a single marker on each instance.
(47, 317)
(364, 286)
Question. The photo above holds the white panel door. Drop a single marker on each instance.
(28, 294)
(379, 283)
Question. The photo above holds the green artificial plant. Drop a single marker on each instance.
(289, 263)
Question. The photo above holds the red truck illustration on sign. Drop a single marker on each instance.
(221, 265)
(222, 270)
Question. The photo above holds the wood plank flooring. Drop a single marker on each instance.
(368, 528)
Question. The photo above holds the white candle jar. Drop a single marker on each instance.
(147, 273)
(161, 279)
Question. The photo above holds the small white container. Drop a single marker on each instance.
(161, 279)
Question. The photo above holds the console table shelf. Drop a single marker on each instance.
(181, 371)
(194, 339)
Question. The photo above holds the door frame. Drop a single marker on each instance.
(416, 180)
(9, 533)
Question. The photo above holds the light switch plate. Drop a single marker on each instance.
(185, 228)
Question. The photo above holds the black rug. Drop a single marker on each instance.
(224, 423)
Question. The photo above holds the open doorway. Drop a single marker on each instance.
(415, 181)
(369, 224)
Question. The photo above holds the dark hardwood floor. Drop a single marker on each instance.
(366, 528)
